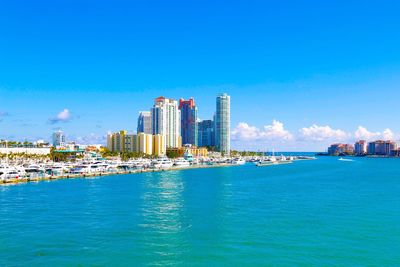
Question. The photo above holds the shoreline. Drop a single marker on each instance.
(23, 180)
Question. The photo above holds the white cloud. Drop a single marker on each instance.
(313, 138)
(243, 131)
(363, 133)
(276, 131)
(388, 134)
(322, 133)
(273, 132)
(62, 116)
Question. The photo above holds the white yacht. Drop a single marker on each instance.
(81, 169)
(7, 172)
(162, 163)
(238, 161)
(35, 170)
(181, 162)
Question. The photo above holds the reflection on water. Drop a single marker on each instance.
(163, 218)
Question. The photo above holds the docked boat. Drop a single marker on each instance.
(81, 169)
(162, 163)
(272, 160)
(238, 161)
(35, 170)
(8, 174)
(181, 162)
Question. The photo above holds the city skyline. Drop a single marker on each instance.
(272, 136)
(294, 86)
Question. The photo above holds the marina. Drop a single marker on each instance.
(22, 172)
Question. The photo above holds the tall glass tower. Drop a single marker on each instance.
(188, 121)
(223, 124)
(144, 122)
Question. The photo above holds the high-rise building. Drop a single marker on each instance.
(360, 147)
(58, 139)
(223, 123)
(166, 121)
(382, 148)
(188, 121)
(206, 135)
(144, 122)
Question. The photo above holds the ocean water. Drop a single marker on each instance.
(310, 213)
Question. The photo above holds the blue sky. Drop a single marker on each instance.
(301, 74)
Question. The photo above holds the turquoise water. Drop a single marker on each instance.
(310, 213)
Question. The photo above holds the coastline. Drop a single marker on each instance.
(16, 181)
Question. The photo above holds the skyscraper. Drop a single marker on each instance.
(188, 121)
(206, 135)
(166, 121)
(144, 122)
(223, 123)
(58, 139)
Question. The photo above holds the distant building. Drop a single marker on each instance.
(130, 143)
(144, 122)
(141, 143)
(158, 145)
(166, 121)
(116, 141)
(188, 121)
(206, 134)
(395, 152)
(193, 150)
(360, 147)
(58, 139)
(341, 149)
(223, 123)
(26, 150)
(381, 148)
(145, 143)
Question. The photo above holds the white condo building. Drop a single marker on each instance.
(166, 121)
(58, 139)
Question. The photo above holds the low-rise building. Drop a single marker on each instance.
(395, 152)
(360, 148)
(142, 143)
(381, 147)
(193, 150)
(158, 145)
(26, 150)
(341, 149)
(116, 141)
(145, 143)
